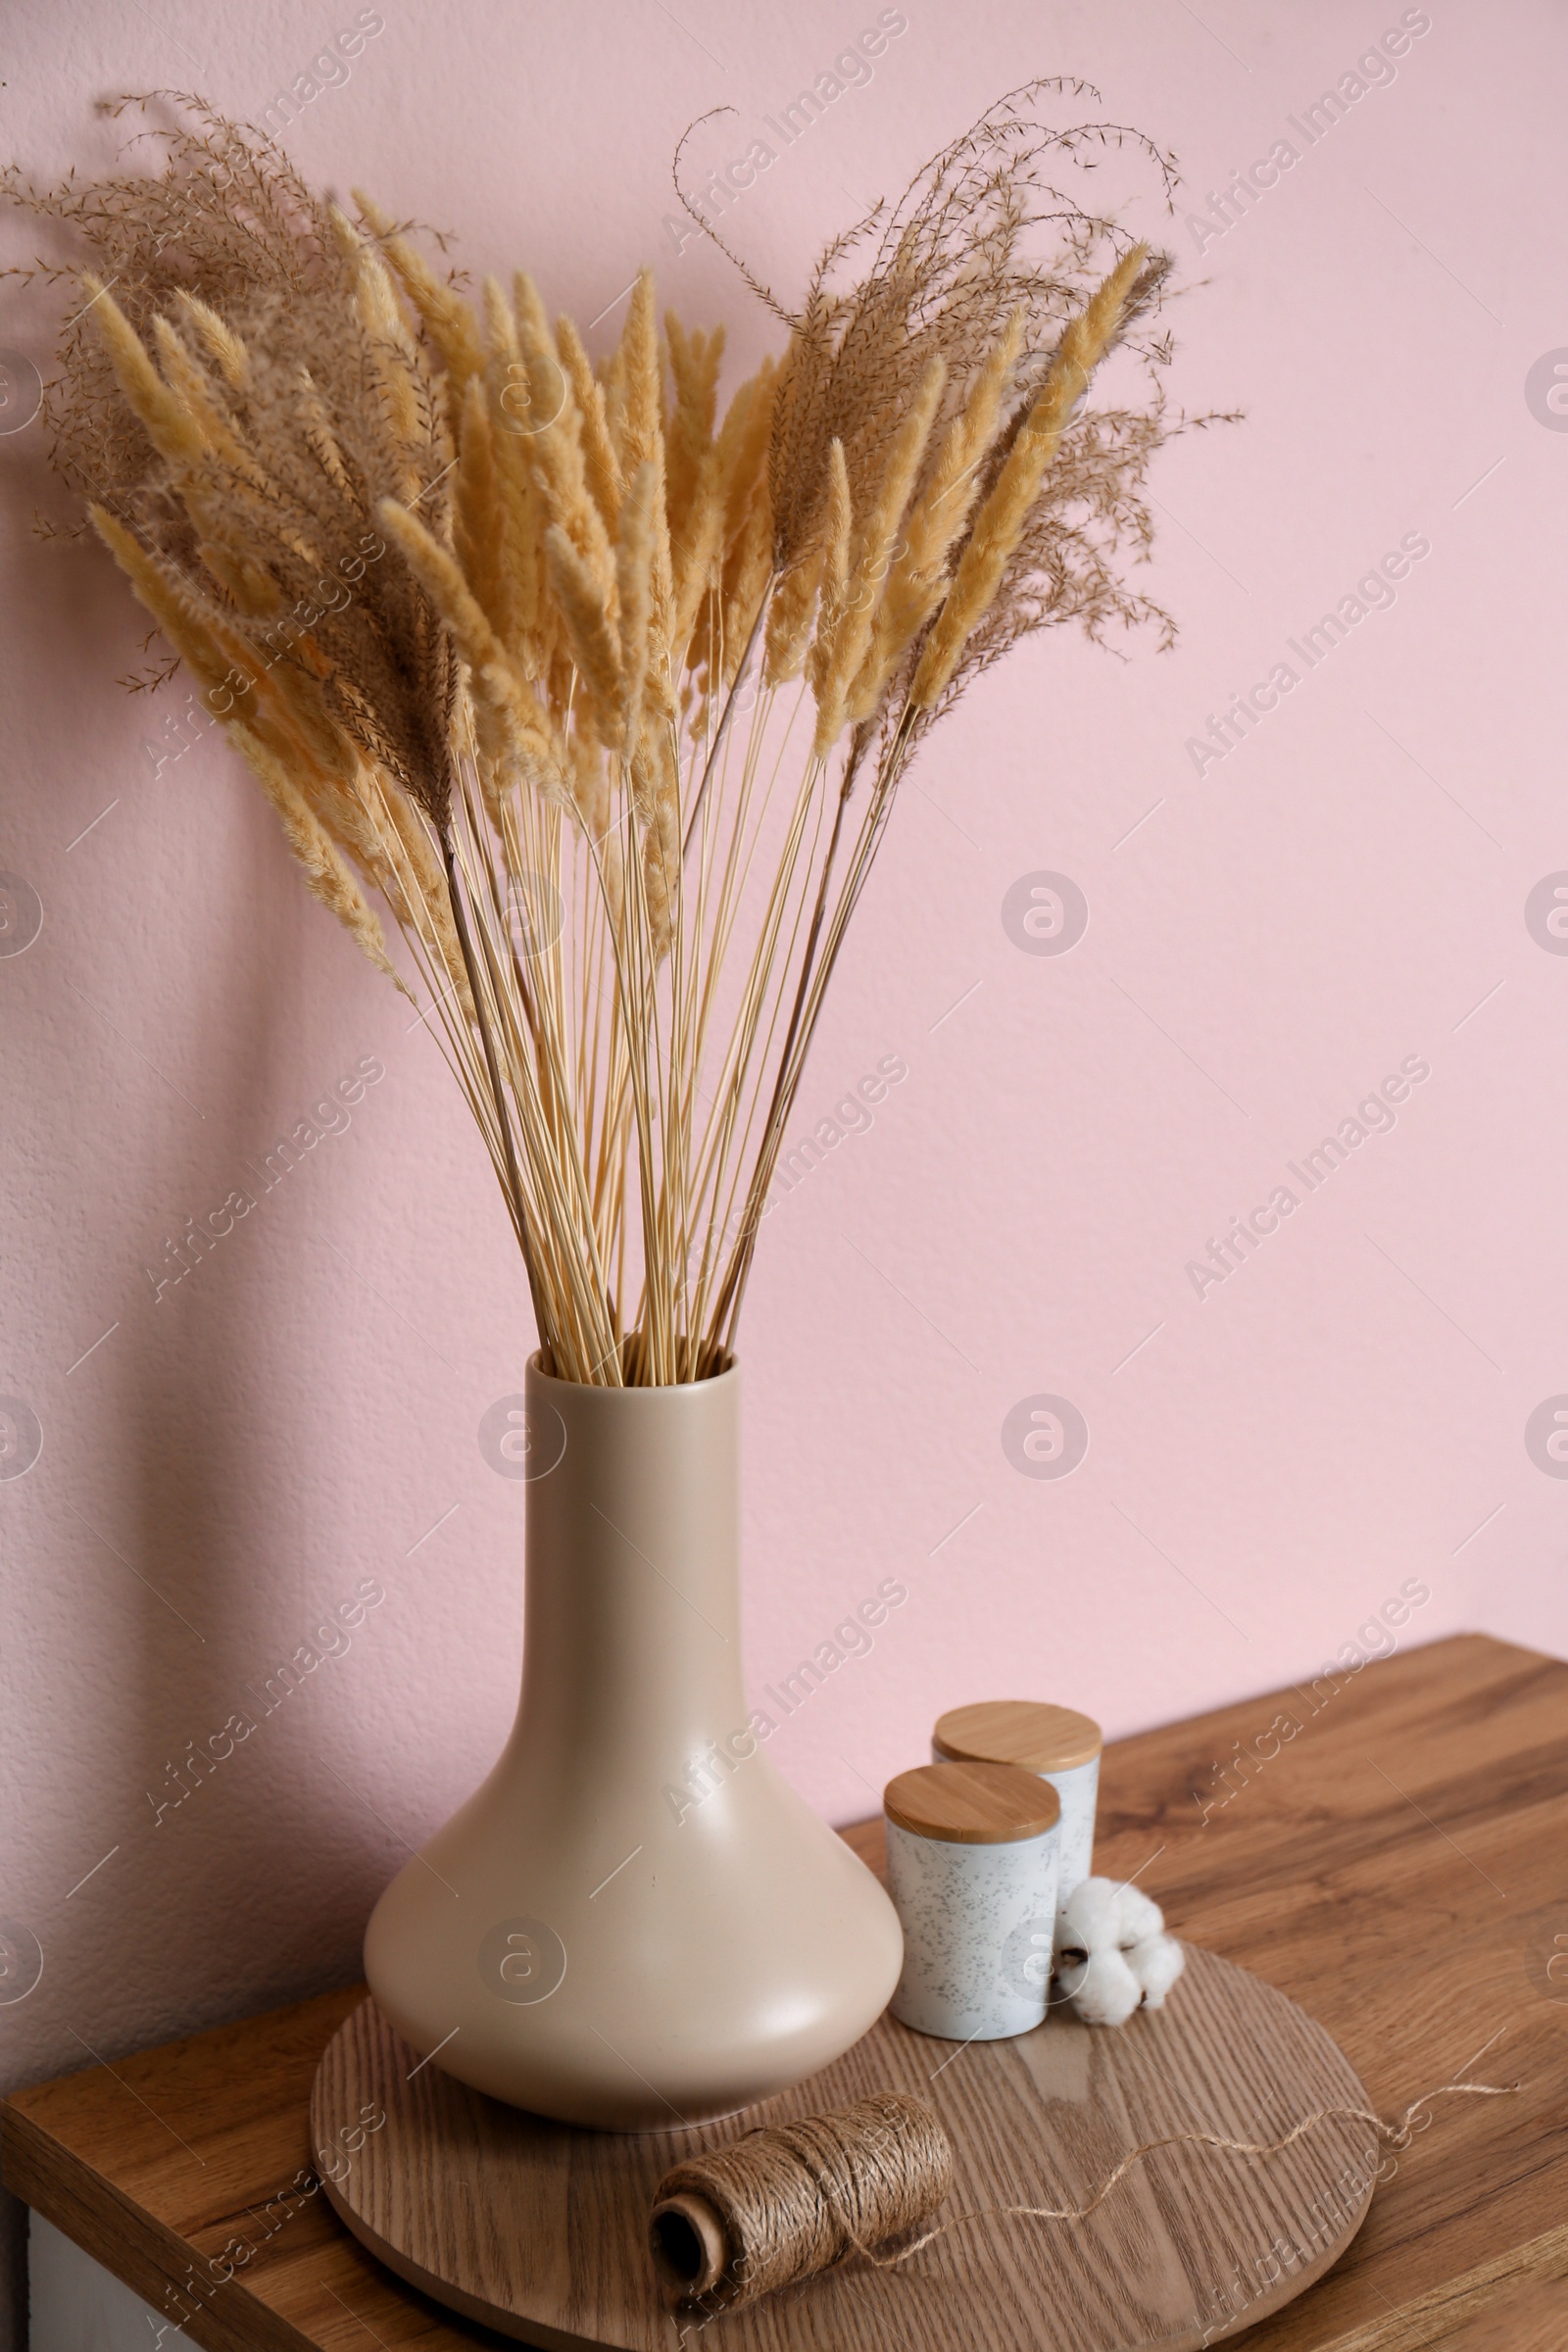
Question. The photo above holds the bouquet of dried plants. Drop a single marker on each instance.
(603, 695)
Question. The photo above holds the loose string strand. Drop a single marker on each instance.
(787, 2202)
(1396, 2135)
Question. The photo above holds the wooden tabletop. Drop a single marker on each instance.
(1393, 1852)
(1535, 2318)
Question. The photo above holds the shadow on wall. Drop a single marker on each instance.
(223, 1452)
(243, 1874)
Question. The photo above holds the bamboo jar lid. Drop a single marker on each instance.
(1017, 1731)
(971, 1805)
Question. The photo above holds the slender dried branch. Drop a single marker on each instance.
(502, 632)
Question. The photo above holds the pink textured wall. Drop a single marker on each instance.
(1271, 934)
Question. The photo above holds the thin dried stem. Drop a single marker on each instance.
(501, 630)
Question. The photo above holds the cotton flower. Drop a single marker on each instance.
(1112, 1954)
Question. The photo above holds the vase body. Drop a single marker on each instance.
(634, 1920)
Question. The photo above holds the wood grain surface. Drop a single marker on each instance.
(1017, 1731)
(1535, 2320)
(541, 2229)
(1393, 1856)
(971, 1805)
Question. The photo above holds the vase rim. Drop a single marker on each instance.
(716, 1381)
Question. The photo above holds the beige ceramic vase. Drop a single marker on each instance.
(634, 1920)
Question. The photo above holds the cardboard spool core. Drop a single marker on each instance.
(689, 2244)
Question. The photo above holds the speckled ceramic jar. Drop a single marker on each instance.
(972, 1852)
(1056, 1743)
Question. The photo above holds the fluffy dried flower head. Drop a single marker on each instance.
(501, 630)
(953, 274)
(304, 403)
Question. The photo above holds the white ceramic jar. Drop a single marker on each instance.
(1056, 1743)
(972, 1872)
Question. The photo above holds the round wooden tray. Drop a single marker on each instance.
(540, 2231)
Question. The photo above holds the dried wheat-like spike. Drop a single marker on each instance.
(391, 354)
(693, 498)
(873, 556)
(743, 448)
(522, 524)
(735, 446)
(747, 574)
(338, 804)
(836, 527)
(915, 583)
(525, 733)
(480, 517)
(499, 323)
(662, 870)
(589, 634)
(446, 316)
(789, 620)
(695, 549)
(505, 691)
(326, 876)
(253, 590)
(188, 384)
(163, 597)
(442, 577)
(421, 885)
(738, 456)
(637, 419)
(589, 785)
(600, 462)
(1000, 523)
(500, 780)
(283, 719)
(694, 361)
(637, 427)
(633, 578)
(290, 699)
(535, 621)
(300, 688)
(553, 452)
(533, 321)
(610, 373)
(224, 345)
(174, 432)
(323, 441)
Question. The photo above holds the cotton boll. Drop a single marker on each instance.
(1107, 1991)
(1088, 1919)
(1112, 1955)
(1135, 1917)
(1103, 1913)
(1091, 1967)
(1157, 1961)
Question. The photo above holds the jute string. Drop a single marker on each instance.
(790, 2200)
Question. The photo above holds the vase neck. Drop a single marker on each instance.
(633, 1633)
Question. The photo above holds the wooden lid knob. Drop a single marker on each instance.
(972, 1804)
(1019, 1730)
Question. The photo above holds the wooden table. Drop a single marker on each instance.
(1398, 1862)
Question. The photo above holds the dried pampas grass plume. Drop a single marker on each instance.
(603, 685)
(999, 524)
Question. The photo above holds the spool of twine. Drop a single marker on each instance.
(790, 2200)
